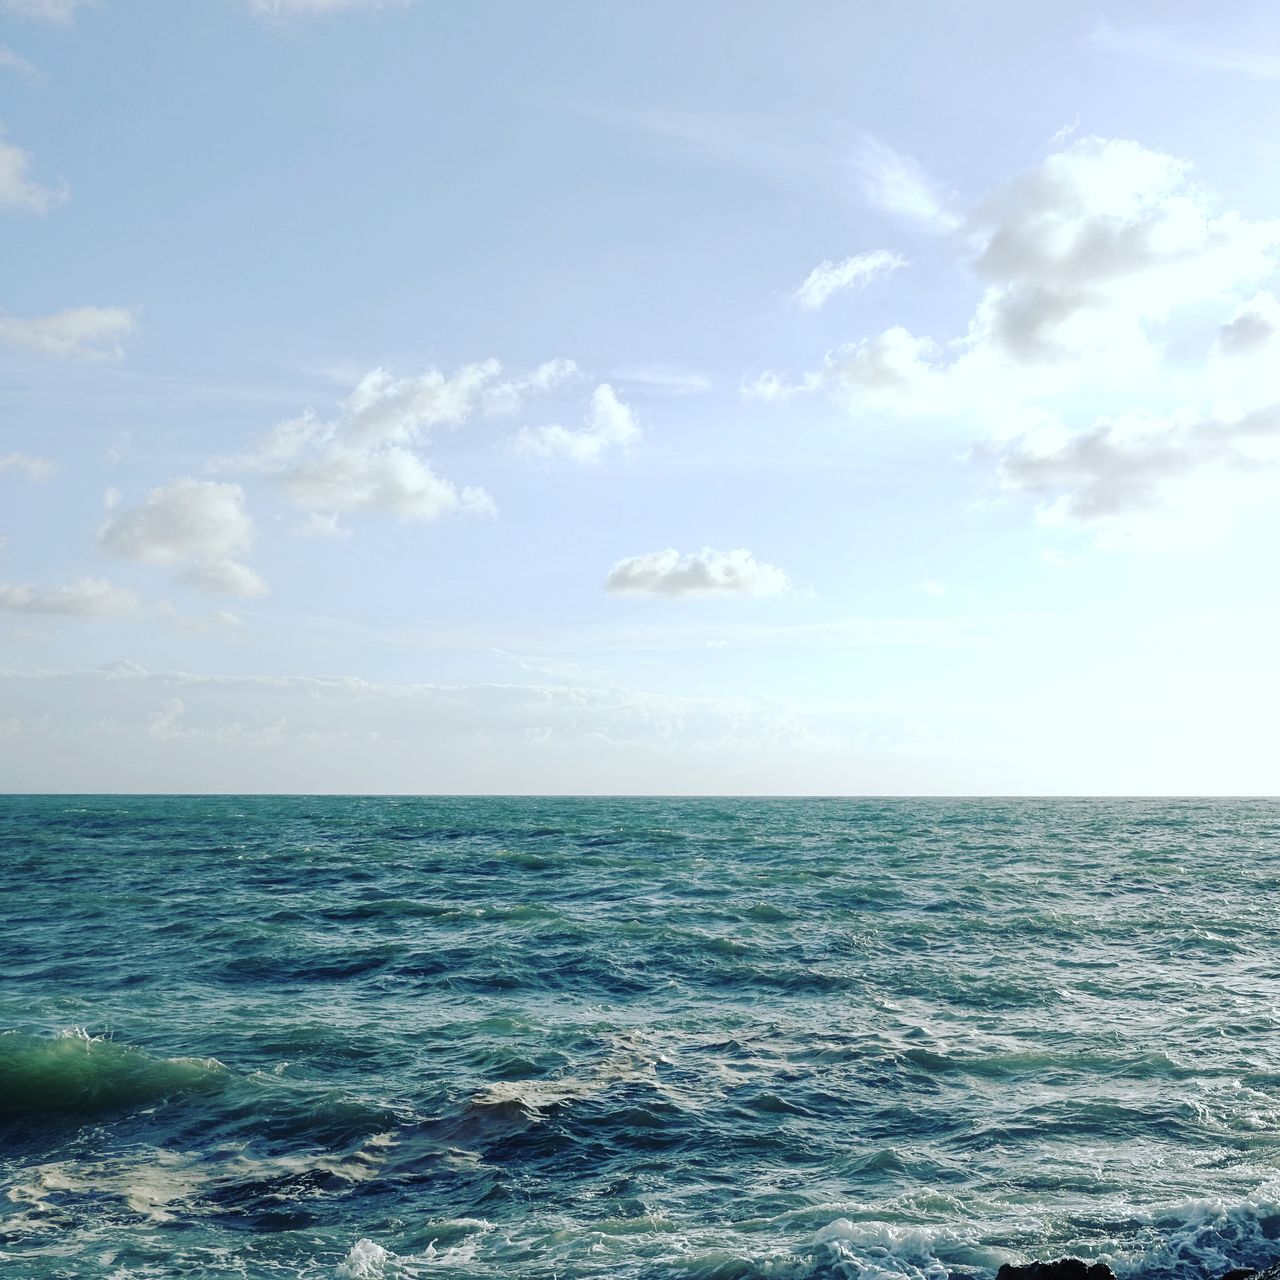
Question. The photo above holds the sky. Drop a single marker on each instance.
(719, 397)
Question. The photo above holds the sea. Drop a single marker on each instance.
(643, 1039)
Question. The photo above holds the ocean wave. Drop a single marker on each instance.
(78, 1074)
(1204, 1237)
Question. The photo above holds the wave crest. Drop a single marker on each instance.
(75, 1073)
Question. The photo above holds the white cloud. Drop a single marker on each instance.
(223, 620)
(894, 370)
(18, 190)
(12, 61)
(367, 457)
(86, 333)
(768, 385)
(386, 410)
(1132, 465)
(60, 11)
(508, 396)
(1085, 262)
(1062, 135)
(1190, 50)
(25, 465)
(202, 524)
(88, 597)
(1102, 242)
(1112, 289)
(224, 577)
(175, 731)
(829, 278)
(895, 364)
(1252, 327)
(898, 185)
(393, 480)
(610, 424)
(703, 573)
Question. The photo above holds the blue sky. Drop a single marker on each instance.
(727, 397)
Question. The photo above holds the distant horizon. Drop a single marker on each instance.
(610, 795)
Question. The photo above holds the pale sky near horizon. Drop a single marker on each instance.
(681, 397)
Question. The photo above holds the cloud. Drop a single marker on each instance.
(218, 620)
(367, 457)
(1191, 51)
(59, 11)
(1102, 241)
(25, 465)
(895, 370)
(893, 363)
(1130, 465)
(1252, 327)
(610, 424)
(769, 385)
(1111, 288)
(829, 278)
(302, 8)
(393, 480)
(898, 185)
(508, 396)
(11, 61)
(224, 577)
(175, 731)
(88, 598)
(18, 190)
(202, 524)
(85, 333)
(1083, 263)
(703, 573)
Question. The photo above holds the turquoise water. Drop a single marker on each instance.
(262, 1037)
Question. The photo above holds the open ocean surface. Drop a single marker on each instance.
(705, 1039)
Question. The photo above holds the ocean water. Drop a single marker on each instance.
(705, 1039)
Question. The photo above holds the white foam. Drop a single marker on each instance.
(877, 1250)
(367, 1260)
(1206, 1236)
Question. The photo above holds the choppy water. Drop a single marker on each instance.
(636, 1038)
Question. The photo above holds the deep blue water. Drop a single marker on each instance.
(262, 1037)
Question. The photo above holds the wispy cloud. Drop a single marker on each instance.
(1187, 50)
(81, 333)
(897, 184)
(25, 465)
(10, 61)
(829, 278)
(87, 598)
(18, 189)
